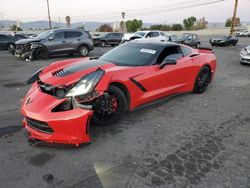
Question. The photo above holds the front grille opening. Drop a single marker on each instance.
(64, 106)
(39, 125)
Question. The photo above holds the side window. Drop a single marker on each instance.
(172, 52)
(59, 35)
(72, 34)
(149, 35)
(108, 35)
(1, 38)
(186, 51)
(4, 38)
(189, 37)
(163, 34)
(155, 34)
(79, 34)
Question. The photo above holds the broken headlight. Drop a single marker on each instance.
(86, 84)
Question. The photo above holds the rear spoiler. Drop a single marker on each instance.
(205, 50)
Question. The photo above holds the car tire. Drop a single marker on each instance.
(9, 47)
(103, 43)
(42, 53)
(202, 80)
(198, 45)
(83, 51)
(110, 107)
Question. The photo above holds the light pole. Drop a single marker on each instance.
(49, 14)
(234, 17)
(2, 21)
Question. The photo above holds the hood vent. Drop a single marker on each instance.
(58, 73)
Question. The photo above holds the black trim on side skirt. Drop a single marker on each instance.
(161, 100)
(138, 85)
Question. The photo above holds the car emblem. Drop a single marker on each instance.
(29, 101)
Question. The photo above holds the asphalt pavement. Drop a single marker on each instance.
(195, 141)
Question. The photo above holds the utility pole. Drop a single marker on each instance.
(49, 14)
(3, 22)
(234, 17)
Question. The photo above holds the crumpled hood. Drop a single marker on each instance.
(26, 41)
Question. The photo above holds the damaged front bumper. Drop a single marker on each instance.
(55, 120)
(24, 51)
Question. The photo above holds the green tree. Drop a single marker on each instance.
(177, 27)
(189, 22)
(160, 27)
(81, 27)
(228, 22)
(105, 28)
(15, 28)
(133, 25)
(200, 24)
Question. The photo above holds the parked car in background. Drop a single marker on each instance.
(224, 40)
(188, 39)
(156, 36)
(245, 55)
(7, 42)
(53, 42)
(112, 39)
(171, 36)
(244, 33)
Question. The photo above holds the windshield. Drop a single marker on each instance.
(140, 33)
(130, 55)
(44, 34)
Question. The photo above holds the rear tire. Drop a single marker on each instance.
(103, 43)
(202, 80)
(83, 51)
(198, 45)
(110, 107)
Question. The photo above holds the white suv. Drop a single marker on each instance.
(157, 36)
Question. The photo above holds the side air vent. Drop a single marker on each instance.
(58, 73)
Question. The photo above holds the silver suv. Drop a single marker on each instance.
(53, 42)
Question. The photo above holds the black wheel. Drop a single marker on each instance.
(202, 80)
(234, 44)
(10, 47)
(110, 107)
(83, 50)
(103, 44)
(42, 53)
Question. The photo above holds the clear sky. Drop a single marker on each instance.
(109, 10)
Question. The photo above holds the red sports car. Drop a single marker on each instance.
(67, 94)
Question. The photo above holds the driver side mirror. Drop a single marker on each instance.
(167, 61)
